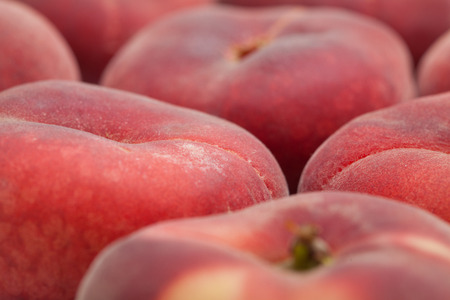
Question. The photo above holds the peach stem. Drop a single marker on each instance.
(308, 250)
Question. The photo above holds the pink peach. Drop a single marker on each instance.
(434, 68)
(97, 29)
(401, 152)
(289, 75)
(371, 248)
(31, 49)
(418, 22)
(82, 165)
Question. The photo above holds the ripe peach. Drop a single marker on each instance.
(401, 152)
(97, 29)
(418, 22)
(289, 75)
(434, 68)
(82, 165)
(362, 248)
(31, 48)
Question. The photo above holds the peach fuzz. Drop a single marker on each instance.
(434, 68)
(289, 75)
(82, 165)
(96, 29)
(401, 152)
(379, 249)
(418, 22)
(31, 48)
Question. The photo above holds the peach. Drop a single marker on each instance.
(31, 48)
(82, 165)
(434, 68)
(289, 75)
(363, 248)
(97, 29)
(401, 152)
(418, 22)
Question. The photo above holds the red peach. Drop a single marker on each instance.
(82, 165)
(371, 248)
(419, 22)
(31, 48)
(434, 68)
(289, 75)
(97, 29)
(401, 152)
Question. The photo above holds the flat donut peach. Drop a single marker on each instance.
(32, 48)
(401, 152)
(82, 165)
(289, 75)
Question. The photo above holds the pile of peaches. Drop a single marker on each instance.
(224, 150)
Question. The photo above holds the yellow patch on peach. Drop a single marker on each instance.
(427, 246)
(219, 284)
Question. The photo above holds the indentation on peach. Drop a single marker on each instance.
(242, 50)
